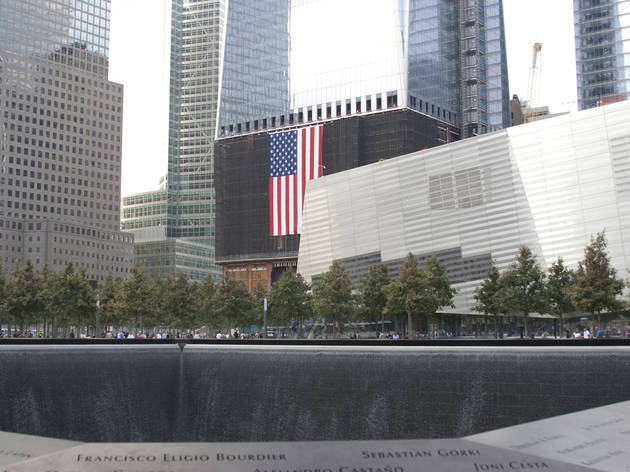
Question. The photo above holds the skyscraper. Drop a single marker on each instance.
(602, 48)
(175, 227)
(60, 138)
(383, 78)
(443, 58)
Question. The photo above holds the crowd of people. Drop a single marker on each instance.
(596, 333)
(579, 333)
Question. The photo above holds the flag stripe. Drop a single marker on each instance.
(294, 159)
(286, 210)
(295, 206)
(271, 212)
(312, 154)
(279, 204)
(319, 151)
(303, 133)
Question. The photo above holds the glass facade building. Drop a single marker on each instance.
(60, 138)
(549, 185)
(602, 49)
(182, 215)
(302, 60)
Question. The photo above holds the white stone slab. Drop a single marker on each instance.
(16, 447)
(452, 455)
(598, 438)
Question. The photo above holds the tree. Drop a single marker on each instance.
(179, 302)
(420, 292)
(332, 297)
(206, 302)
(437, 292)
(289, 299)
(3, 293)
(373, 296)
(258, 304)
(109, 293)
(487, 302)
(493, 295)
(595, 283)
(85, 299)
(234, 302)
(47, 314)
(70, 298)
(402, 293)
(24, 301)
(485, 292)
(559, 280)
(137, 299)
(525, 282)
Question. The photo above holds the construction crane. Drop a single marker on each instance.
(535, 72)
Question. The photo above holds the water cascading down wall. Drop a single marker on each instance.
(121, 393)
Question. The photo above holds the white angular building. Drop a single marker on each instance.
(549, 185)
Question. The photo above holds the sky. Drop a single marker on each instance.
(139, 48)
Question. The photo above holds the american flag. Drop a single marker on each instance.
(295, 157)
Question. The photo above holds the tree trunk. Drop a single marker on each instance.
(410, 329)
(599, 321)
(382, 322)
(525, 325)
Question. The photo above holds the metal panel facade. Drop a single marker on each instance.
(548, 185)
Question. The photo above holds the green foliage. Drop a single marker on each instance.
(487, 302)
(595, 283)
(110, 293)
(137, 299)
(437, 293)
(3, 291)
(525, 286)
(559, 285)
(67, 298)
(402, 292)
(495, 296)
(234, 304)
(419, 292)
(258, 305)
(332, 297)
(179, 296)
(373, 297)
(205, 302)
(24, 302)
(289, 298)
(173, 304)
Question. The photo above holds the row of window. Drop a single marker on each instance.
(65, 211)
(298, 117)
(112, 196)
(83, 80)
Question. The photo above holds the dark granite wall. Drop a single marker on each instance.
(156, 393)
(242, 175)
